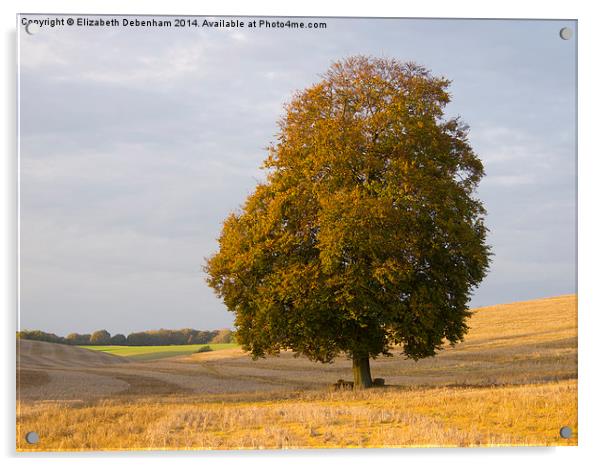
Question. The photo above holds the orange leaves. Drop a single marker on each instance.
(366, 230)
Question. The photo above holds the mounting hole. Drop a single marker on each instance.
(31, 28)
(32, 437)
(566, 33)
(566, 432)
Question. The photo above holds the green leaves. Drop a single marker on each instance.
(367, 233)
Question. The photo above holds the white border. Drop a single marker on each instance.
(590, 302)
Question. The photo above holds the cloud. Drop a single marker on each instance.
(239, 36)
(166, 68)
(510, 180)
(119, 57)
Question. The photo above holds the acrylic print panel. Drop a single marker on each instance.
(249, 233)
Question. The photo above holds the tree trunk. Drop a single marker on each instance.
(361, 372)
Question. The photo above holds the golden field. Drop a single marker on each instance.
(513, 381)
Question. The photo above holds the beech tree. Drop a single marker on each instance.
(367, 234)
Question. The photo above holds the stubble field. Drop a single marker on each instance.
(512, 382)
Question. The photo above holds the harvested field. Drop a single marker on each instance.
(513, 381)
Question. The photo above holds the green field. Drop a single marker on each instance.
(148, 353)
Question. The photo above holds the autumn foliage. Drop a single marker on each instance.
(367, 233)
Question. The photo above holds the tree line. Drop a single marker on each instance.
(185, 336)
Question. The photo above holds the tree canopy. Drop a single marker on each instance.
(367, 233)
(100, 337)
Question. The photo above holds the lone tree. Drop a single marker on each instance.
(367, 233)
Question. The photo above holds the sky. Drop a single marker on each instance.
(136, 143)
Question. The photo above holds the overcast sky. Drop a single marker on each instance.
(136, 143)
